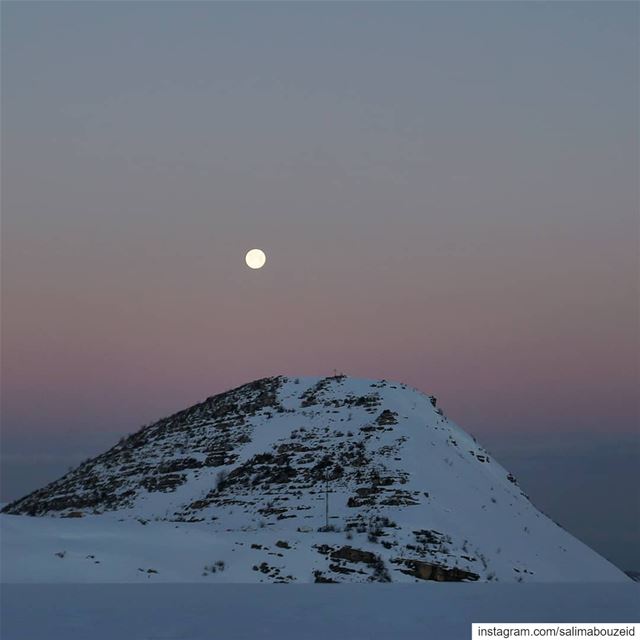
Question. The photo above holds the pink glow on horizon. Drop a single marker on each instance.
(447, 196)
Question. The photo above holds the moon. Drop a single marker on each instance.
(255, 258)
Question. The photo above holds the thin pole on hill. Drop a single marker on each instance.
(326, 500)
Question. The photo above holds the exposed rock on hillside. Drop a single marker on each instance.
(327, 480)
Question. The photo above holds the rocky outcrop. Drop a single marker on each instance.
(427, 571)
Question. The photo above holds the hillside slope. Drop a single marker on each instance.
(333, 479)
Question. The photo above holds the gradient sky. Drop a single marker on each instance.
(447, 194)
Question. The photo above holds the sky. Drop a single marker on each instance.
(447, 194)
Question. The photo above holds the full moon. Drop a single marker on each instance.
(255, 258)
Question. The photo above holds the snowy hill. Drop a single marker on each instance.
(284, 480)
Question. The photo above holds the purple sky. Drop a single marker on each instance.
(447, 195)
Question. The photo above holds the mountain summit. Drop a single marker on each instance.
(329, 480)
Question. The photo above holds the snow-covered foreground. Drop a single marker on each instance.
(181, 593)
(105, 549)
(300, 612)
(99, 549)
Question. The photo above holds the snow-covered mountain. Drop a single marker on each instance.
(298, 479)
